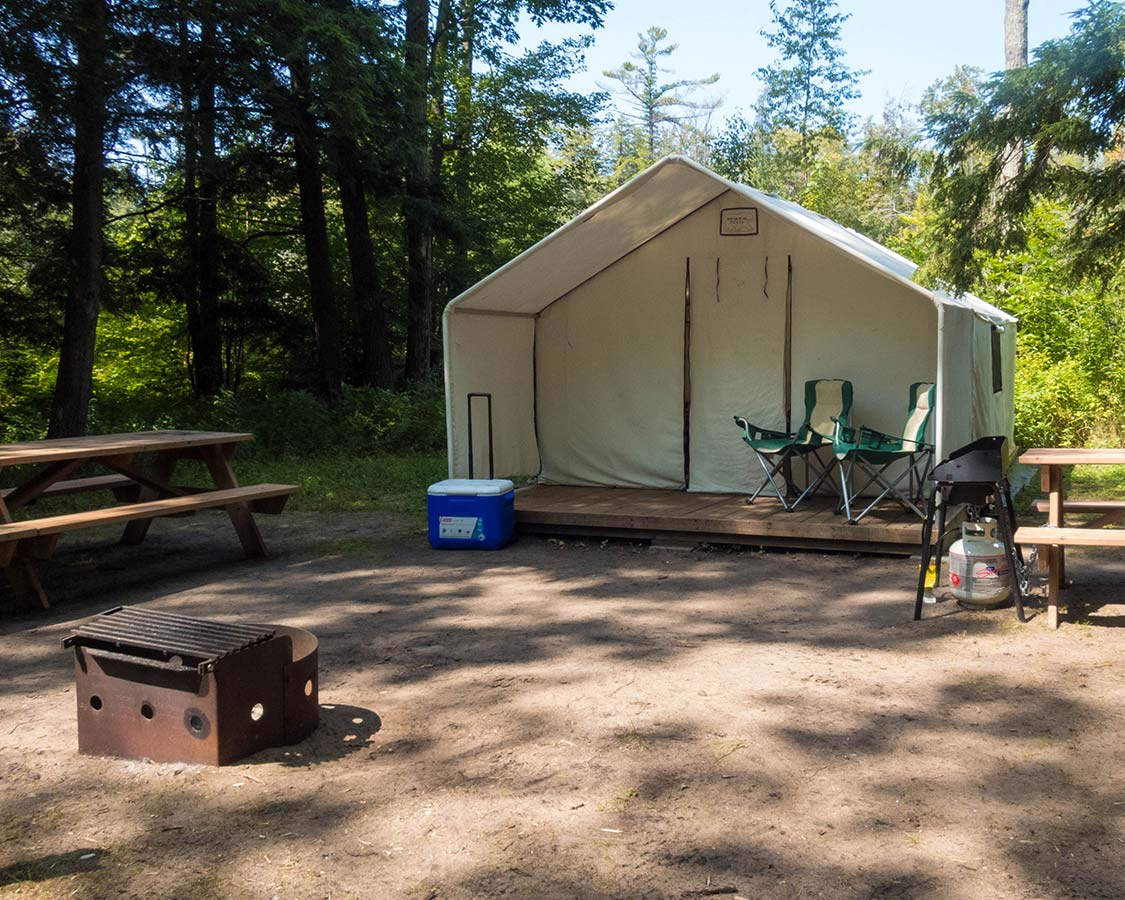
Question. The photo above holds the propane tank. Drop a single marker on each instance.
(978, 567)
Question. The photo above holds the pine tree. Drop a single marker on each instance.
(1068, 108)
(651, 102)
(807, 90)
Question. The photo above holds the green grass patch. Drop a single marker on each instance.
(1081, 482)
(393, 484)
(1097, 483)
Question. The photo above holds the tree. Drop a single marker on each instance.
(443, 42)
(1015, 34)
(74, 383)
(1068, 108)
(417, 211)
(651, 102)
(806, 91)
(305, 131)
(1015, 57)
(198, 64)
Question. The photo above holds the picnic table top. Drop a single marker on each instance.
(1079, 456)
(56, 449)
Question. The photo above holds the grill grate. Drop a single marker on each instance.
(147, 631)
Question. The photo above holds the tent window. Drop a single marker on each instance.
(997, 362)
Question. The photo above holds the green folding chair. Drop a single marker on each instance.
(873, 453)
(826, 400)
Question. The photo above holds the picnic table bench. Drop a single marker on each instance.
(144, 492)
(1055, 536)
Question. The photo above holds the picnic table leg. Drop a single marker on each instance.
(21, 572)
(218, 464)
(1055, 552)
(162, 468)
(1043, 551)
(25, 583)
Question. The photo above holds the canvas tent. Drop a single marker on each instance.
(619, 347)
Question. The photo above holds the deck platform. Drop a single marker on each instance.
(644, 514)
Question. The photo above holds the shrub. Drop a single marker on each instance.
(1055, 405)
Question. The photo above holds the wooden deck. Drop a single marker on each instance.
(713, 518)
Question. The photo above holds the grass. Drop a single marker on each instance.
(393, 484)
(1082, 483)
(1097, 483)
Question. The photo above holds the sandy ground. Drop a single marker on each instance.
(584, 721)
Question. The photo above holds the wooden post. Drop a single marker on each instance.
(1055, 552)
(240, 516)
(21, 572)
(162, 469)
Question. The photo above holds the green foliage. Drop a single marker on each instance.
(392, 483)
(870, 187)
(284, 422)
(1054, 404)
(1070, 379)
(1061, 119)
(657, 115)
(805, 91)
(1070, 366)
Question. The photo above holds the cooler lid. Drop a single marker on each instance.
(472, 487)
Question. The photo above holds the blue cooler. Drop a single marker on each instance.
(471, 513)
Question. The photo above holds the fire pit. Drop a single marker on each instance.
(153, 685)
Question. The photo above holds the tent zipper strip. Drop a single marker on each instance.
(788, 380)
(687, 374)
(535, 394)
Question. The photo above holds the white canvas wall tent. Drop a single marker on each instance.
(619, 347)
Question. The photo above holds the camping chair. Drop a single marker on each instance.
(874, 452)
(826, 400)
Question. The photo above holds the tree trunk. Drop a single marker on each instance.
(326, 320)
(417, 204)
(1015, 57)
(74, 383)
(367, 294)
(201, 277)
(190, 149)
(209, 348)
(1015, 34)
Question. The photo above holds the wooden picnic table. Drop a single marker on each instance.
(1055, 536)
(144, 491)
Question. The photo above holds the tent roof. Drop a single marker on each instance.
(645, 206)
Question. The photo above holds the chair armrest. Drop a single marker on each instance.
(752, 432)
(872, 439)
(841, 432)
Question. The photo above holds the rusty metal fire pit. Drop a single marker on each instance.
(152, 685)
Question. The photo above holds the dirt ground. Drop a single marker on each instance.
(584, 721)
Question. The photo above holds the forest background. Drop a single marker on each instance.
(248, 215)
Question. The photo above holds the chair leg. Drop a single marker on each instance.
(823, 474)
(875, 476)
(770, 480)
(845, 494)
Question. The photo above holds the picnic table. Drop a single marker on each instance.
(144, 491)
(1055, 536)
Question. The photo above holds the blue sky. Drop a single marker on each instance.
(907, 44)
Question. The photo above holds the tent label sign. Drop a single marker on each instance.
(739, 221)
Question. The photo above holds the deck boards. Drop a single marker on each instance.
(716, 518)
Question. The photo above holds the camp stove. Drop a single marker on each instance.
(972, 476)
(169, 688)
